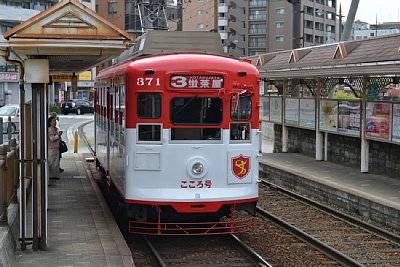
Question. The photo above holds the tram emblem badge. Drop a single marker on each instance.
(240, 166)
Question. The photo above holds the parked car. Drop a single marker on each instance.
(78, 106)
(13, 112)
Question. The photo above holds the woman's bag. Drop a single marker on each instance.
(63, 147)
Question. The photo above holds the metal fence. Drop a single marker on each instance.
(9, 176)
(336, 116)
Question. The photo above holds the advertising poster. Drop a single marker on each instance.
(349, 117)
(328, 115)
(276, 109)
(292, 111)
(265, 108)
(307, 113)
(396, 123)
(378, 120)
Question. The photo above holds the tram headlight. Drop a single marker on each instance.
(197, 168)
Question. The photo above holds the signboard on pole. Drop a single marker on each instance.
(37, 71)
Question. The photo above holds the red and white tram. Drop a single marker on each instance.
(178, 138)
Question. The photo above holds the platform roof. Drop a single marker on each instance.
(71, 36)
(373, 56)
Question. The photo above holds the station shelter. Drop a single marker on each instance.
(336, 102)
(66, 39)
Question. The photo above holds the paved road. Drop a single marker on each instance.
(71, 123)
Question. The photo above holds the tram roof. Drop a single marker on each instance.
(373, 56)
(166, 42)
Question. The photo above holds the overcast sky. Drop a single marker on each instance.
(368, 10)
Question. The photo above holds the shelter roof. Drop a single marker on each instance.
(372, 56)
(72, 36)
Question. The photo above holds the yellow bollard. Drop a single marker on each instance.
(76, 141)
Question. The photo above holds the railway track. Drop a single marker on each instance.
(348, 240)
(226, 250)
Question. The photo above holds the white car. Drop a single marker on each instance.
(13, 112)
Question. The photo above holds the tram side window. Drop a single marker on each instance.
(149, 105)
(240, 131)
(149, 132)
(240, 108)
(240, 111)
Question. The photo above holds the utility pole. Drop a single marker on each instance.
(350, 20)
(340, 21)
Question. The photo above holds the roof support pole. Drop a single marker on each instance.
(22, 158)
(285, 133)
(22, 204)
(35, 191)
(319, 136)
(43, 182)
(364, 141)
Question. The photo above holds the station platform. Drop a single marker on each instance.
(81, 228)
(374, 197)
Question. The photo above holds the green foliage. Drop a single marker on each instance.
(343, 95)
(54, 108)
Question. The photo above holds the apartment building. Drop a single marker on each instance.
(250, 27)
(363, 30)
(206, 15)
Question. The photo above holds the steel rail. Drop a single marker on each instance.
(155, 253)
(251, 252)
(327, 250)
(340, 215)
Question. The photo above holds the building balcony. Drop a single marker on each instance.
(257, 17)
(223, 8)
(222, 21)
(255, 31)
(224, 35)
(257, 44)
(258, 3)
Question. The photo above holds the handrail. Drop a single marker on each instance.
(9, 176)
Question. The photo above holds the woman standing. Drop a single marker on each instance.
(53, 143)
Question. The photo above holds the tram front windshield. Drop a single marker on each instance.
(196, 111)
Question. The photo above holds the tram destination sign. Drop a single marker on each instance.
(197, 81)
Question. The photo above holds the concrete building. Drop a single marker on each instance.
(362, 30)
(250, 27)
